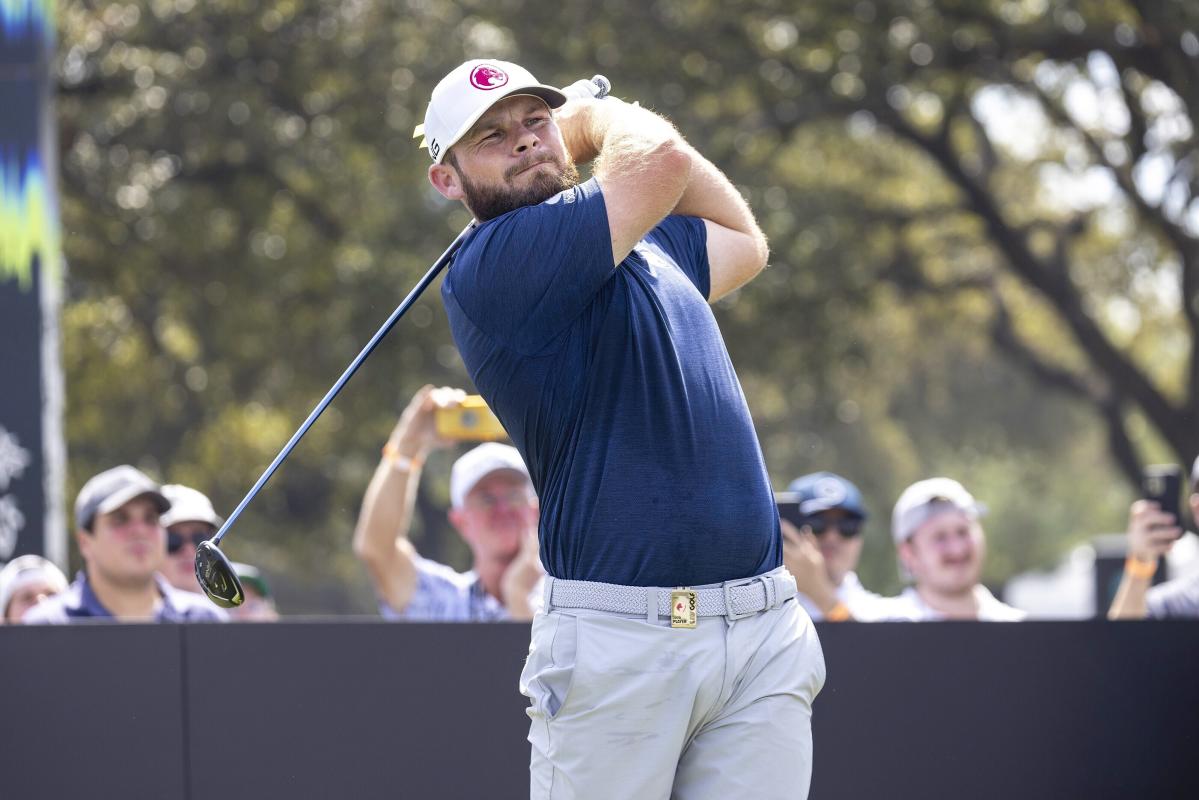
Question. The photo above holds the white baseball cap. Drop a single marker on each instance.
(480, 462)
(467, 92)
(188, 505)
(925, 499)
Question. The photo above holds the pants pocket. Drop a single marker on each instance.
(549, 671)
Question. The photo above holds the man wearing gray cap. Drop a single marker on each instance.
(191, 519)
(493, 508)
(123, 544)
(940, 545)
(1152, 532)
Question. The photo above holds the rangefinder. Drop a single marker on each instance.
(470, 421)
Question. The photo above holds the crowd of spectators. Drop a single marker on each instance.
(137, 540)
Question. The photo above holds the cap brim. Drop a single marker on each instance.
(118, 499)
(819, 506)
(552, 97)
(210, 519)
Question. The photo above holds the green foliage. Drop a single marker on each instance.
(243, 205)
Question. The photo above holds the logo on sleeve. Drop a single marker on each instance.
(486, 76)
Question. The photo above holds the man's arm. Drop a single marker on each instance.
(381, 535)
(641, 163)
(647, 171)
(1151, 534)
(802, 558)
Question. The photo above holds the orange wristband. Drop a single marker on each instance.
(392, 456)
(1137, 568)
(838, 613)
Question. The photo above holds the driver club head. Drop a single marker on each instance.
(216, 576)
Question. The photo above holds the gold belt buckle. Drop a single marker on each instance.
(684, 608)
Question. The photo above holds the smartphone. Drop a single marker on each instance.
(788, 506)
(1162, 483)
(472, 421)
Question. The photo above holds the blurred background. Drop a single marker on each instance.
(982, 214)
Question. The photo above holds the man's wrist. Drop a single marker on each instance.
(1137, 566)
(838, 613)
(396, 457)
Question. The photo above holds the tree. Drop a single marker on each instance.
(244, 204)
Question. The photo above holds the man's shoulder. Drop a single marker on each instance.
(190, 606)
(992, 609)
(1176, 598)
(517, 231)
(903, 607)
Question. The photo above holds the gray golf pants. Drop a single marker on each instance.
(624, 708)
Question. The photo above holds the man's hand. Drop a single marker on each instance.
(521, 578)
(1151, 531)
(803, 559)
(574, 121)
(415, 434)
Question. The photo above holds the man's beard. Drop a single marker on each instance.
(489, 202)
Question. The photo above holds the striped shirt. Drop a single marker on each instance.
(445, 595)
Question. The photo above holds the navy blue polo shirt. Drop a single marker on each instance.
(615, 385)
(80, 604)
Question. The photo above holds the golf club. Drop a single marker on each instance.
(213, 570)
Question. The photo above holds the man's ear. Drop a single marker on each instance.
(904, 554)
(84, 540)
(445, 180)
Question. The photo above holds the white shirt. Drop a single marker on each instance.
(863, 604)
(909, 606)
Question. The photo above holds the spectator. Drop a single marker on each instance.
(26, 581)
(1151, 534)
(190, 520)
(259, 605)
(123, 546)
(493, 508)
(824, 551)
(941, 548)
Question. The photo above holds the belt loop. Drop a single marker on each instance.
(547, 604)
(651, 605)
(772, 593)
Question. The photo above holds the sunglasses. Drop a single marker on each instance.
(176, 541)
(848, 526)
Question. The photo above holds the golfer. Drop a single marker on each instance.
(671, 659)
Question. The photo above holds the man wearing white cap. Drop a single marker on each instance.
(941, 547)
(26, 581)
(123, 544)
(492, 506)
(191, 519)
(670, 658)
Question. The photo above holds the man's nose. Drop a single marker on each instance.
(526, 140)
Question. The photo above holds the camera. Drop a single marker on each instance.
(470, 421)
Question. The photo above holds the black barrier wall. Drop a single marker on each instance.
(376, 710)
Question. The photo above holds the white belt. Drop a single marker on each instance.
(733, 599)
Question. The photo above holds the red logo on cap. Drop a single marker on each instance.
(486, 76)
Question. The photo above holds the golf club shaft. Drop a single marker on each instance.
(416, 292)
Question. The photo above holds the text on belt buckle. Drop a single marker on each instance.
(684, 608)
